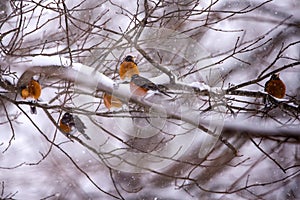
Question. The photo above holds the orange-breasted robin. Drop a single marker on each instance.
(275, 87)
(111, 101)
(140, 86)
(70, 124)
(128, 68)
(32, 90)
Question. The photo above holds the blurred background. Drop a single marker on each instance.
(228, 46)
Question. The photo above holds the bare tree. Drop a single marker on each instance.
(218, 136)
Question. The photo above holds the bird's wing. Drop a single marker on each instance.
(79, 124)
(145, 83)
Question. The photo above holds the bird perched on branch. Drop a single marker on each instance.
(140, 86)
(32, 90)
(128, 68)
(275, 87)
(69, 124)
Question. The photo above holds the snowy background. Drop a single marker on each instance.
(216, 46)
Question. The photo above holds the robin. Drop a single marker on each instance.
(140, 86)
(275, 87)
(128, 68)
(32, 90)
(69, 124)
(111, 101)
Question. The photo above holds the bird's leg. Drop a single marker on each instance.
(33, 107)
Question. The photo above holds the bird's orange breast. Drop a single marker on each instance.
(64, 127)
(111, 101)
(25, 93)
(137, 90)
(34, 89)
(276, 88)
(127, 69)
